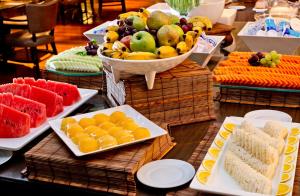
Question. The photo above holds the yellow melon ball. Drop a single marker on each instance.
(117, 116)
(130, 126)
(88, 144)
(107, 141)
(125, 121)
(74, 129)
(101, 118)
(106, 125)
(141, 133)
(85, 122)
(113, 130)
(79, 136)
(66, 122)
(98, 132)
(124, 137)
(91, 128)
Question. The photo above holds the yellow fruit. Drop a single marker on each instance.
(130, 126)
(295, 131)
(287, 167)
(289, 149)
(74, 129)
(85, 122)
(224, 134)
(95, 131)
(125, 121)
(214, 152)
(106, 125)
(79, 136)
(229, 127)
(111, 36)
(219, 143)
(208, 164)
(140, 56)
(101, 118)
(91, 128)
(181, 47)
(117, 116)
(124, 137)
(66, 122)
(288, 159)
(114, 131)
(88, 144)
(202, 176)
(285, 177)
(107, 141)
(292, 140)
(141, 133)
(283, 189)
(166, 52)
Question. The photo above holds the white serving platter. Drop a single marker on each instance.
(269, 115)
(15, 144)
(221, 182)
(142, 121)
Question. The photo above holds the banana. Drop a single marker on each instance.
(189, 40)
(119, 46)
(145, 12)
(166, 52)
(181, 47)
(111, 36)
(106, 46)
(192, 33)
(127, 14)
(198, 30)
(107, 52)
(140, 56)
(203, 19)
(198, 24)
(124, 55)
(112, 28)
(117, 55)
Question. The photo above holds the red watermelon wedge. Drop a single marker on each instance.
(13, 123)
(19, 80)
(7, 99)
(16, 89)
(52, 101)
(36, 110)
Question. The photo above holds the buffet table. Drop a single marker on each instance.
(192, 141)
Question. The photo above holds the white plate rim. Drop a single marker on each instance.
(7, 143)
(124, 108)
(7, 156)
(278, 113)
(187, 166)
(237, 7)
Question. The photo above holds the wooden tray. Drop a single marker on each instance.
(180, 95)
(113, 171)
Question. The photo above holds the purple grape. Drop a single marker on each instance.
(127, 33)
(190, 26)
(260, 55)
(92, 52)
(254, 60)
(183, 21)
(121, 30)
(120, 22)
(129, 22)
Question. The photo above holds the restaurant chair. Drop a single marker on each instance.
(103, 3)
(17, 22)
(41, 22)
(69, 5)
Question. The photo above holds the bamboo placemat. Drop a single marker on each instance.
(200, 152)
(112, 171)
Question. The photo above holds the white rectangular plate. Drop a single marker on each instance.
(142, 121)
(15, 144)
(222, 183)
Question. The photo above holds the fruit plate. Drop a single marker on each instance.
(149, 68)
(15, 144)
(155, 130)
(221, 183)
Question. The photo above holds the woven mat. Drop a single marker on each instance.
(200, 152)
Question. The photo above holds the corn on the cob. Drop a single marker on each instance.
(255, 146)
(275, 129)
(248, 178)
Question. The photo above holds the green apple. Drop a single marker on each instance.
(167, 35)
(157, 19)
(142, 41)
(137, 22)
(179, 31)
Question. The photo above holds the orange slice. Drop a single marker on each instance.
(202, 176)
(224, 134)
(287, 167)
(292, 140)
(295, 131)
(285, 177)
(214, 152)
(208, 164)
(219, 143)
(288, 159)
(289, 149)
(283, 189)
(229, 127)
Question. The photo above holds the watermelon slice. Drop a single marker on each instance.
(36, 110)
(30, 81)
(16, 89)
(19, 80)
(52, 101)
(7, 99)
(13, 123)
